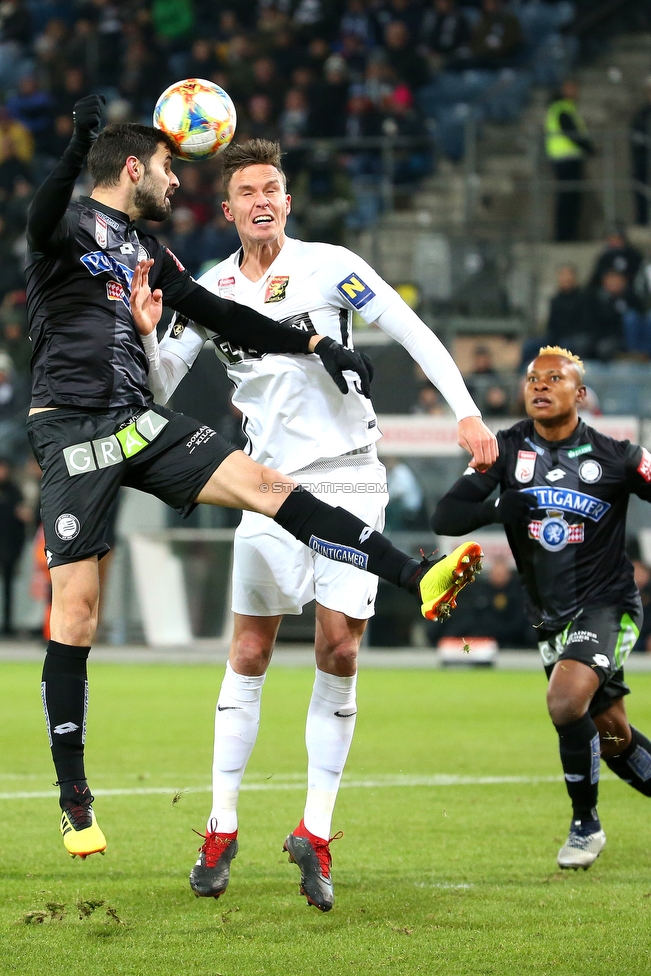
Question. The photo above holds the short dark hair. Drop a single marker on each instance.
(255, 152)
(117, 142)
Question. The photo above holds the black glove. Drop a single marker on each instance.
(336, 359)
(87, 116)
(515, 507)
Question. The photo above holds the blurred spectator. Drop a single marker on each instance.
(17, 206)
(14, 399)
(565, 308)
(429, 401)
(640, 135)
(567, 145)
(173, 21)
(619, 255)
(261, 122)
(410, 163)
(13, 331)
(15, 35)
(16, 141)
(406, 507)
(71, 90)
(493, 607)
(292, 123)
(13, 515)
(266, 82)
(185, 239)
(34, 108)
(600, 331)
(485, 385)
(285, 52)
(219, 240)
(354, 54)
(202, 61)
(496, 38)
(322, 197)
(401, 55)
(81, 49)
(192, 194)
(446, 31)
(328, 100)
(356, 22)
(11, 276)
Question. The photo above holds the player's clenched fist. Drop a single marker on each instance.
(87, 115)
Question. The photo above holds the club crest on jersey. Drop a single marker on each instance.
(101, 230)
(590, 471)
(644, 467)
(568, 500)
(554, 533)
(525, 466)
(276, 289)
(226, 287)
(355, 291)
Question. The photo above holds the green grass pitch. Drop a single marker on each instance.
(452, 879)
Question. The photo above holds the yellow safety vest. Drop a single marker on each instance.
(557, 144)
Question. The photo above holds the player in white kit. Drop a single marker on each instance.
(297, 422)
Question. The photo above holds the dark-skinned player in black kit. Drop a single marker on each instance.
(564, 491)
(93, 424)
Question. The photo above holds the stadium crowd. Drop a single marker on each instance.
(297, 70)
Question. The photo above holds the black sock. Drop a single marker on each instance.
(580, 757)
(335, 533)
(64, 689)
(634, 763)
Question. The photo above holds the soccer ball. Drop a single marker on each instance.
(198, 115)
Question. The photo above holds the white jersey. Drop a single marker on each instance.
(293, 412)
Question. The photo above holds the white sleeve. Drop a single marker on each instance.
(347, 281)
(170, 361)
(402, 324)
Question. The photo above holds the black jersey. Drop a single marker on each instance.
(86, 349)
(571, 553)
(81, 259)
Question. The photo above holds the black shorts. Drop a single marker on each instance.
(602, 638)
(86, 456)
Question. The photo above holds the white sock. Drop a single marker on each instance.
(328, 735)
(237, 718)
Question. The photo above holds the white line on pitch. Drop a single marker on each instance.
(358, 784)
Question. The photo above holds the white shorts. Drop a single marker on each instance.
(274, 573)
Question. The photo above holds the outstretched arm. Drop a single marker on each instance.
(244, 327)
(51, 200)
(402, 323)
(467, 507)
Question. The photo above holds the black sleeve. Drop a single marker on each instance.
(638, 471)
(466, 507)
(238, 324)
(47, 222)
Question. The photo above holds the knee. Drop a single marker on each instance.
(565, 707)
(342, 656)
(250, 654)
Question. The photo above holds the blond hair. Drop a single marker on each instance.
(565, 353)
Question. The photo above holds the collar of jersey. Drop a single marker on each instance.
(577, 435)
(102, 208)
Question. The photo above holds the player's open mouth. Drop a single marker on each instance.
(541, 401)
(263, 219)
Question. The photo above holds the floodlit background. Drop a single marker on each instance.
(414, 133)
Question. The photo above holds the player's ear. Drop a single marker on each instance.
(288, 204)
(581, 393)
(134, 168)
(227, 212)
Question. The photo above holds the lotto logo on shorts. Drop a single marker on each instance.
(340, 554)
(644, 467)
(124, 444)
(355, 291)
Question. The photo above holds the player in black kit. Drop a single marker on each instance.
(93, 425)
(564, 491)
